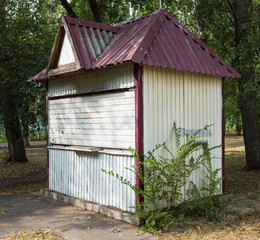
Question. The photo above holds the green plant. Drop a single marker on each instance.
(164, 178)
(2, 136)
(205, 201)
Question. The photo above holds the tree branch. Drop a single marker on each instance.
(232, 8)
(68, 8)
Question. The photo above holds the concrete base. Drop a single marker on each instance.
(113, 212)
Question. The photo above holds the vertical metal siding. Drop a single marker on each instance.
(191, 100)
(112, 78)
(66, 53)
(79, 174)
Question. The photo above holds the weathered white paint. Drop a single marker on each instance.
(102, 120)
(191, 100)
(66, 53)
(111, 78)
(78, 174)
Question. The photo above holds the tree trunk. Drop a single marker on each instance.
(95, 10)
(12, 128)
(247, 84)
(26, 133)
(251, 135)
(8, 104)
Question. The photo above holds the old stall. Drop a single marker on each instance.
(121, 86)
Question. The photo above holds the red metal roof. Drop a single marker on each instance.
(89, 39)
(39, 76)
(155, 39)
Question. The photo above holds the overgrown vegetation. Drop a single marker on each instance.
(246, 227)
(166, 183)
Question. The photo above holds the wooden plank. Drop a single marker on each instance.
(97, 97)
(57, 45)
(63, 69)
(104, 144)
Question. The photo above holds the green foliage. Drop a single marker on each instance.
(205, 201)
(165, 177)
(2, 137)
(111, 11)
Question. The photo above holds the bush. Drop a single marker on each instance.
(164, 180)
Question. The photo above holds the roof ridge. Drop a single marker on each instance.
(149, 36)
(87, 23)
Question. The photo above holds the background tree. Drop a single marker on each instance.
(26, 33)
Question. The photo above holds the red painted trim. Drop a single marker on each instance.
(139, 143)
(86, 23)
(47, 132)
(223, 139)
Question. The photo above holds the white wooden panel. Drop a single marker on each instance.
(191, 100)
(103, 120)
(111, 78)
(78, 174)
(66, 53)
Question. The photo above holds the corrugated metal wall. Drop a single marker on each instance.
(79, 174)
(191, 100)
(102, 120)
(113, 78)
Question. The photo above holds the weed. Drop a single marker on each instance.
(165, 178)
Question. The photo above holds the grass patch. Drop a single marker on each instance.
(246, 228)
(238, 179)
(232, 140)
(24, 177)
(38, 234)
